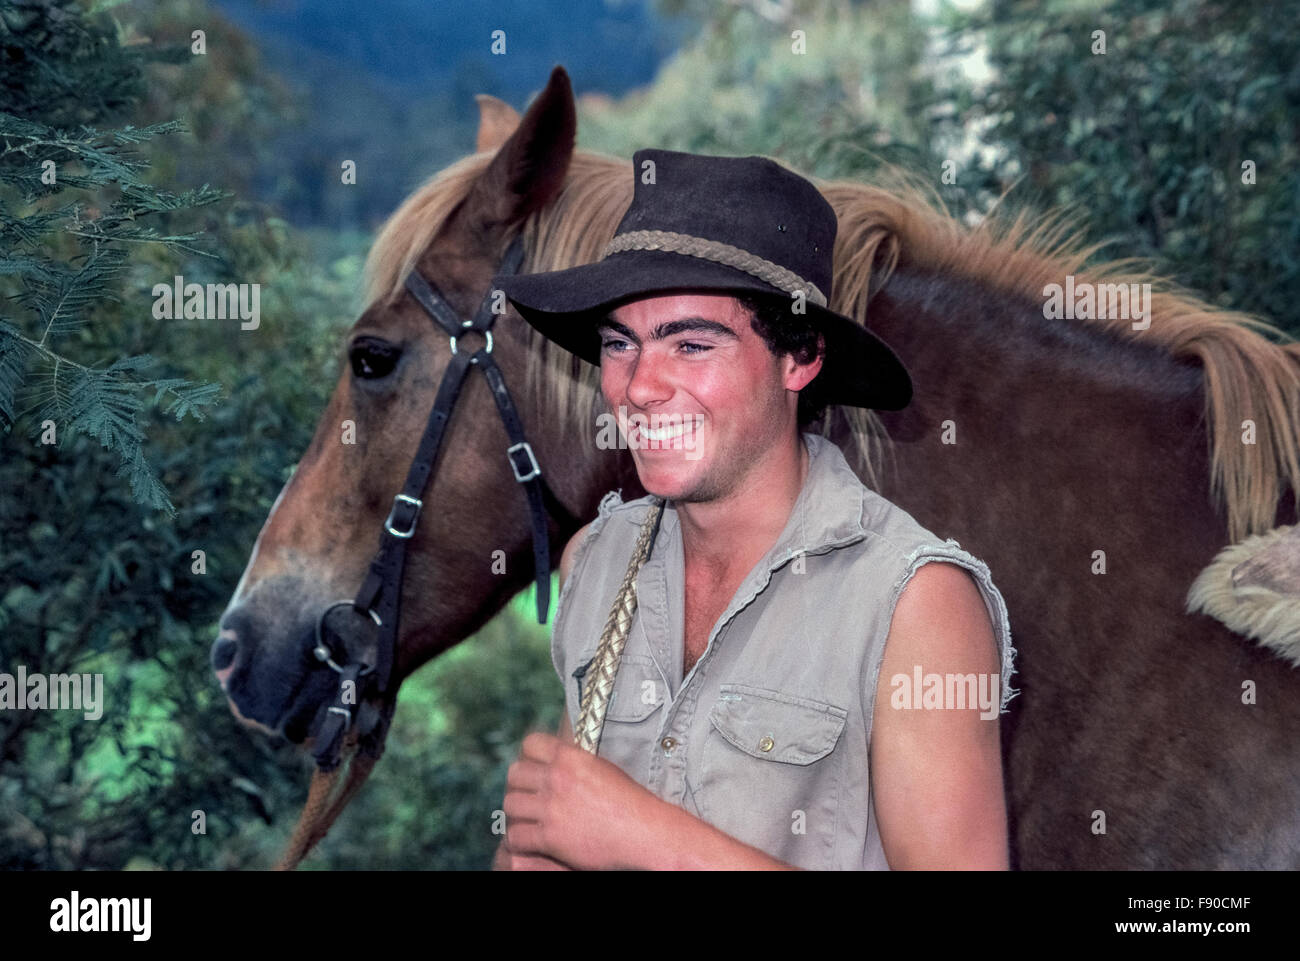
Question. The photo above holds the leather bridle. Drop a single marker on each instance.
(379, 599)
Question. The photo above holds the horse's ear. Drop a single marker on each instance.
(530, 167)
(497, 120)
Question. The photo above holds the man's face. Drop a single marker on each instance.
(699, 397)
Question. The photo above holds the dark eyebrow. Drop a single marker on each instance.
(665, 330)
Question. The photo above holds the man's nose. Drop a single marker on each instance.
(650, 382)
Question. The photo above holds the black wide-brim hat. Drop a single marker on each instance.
(744, 226)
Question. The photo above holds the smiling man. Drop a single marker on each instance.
(763, 712)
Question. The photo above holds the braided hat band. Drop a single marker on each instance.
(719, 253)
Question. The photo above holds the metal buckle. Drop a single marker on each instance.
(527, 449)
(410, 531)
(485, 333)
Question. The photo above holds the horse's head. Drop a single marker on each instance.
(471, 548)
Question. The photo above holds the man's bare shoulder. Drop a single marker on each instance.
(941, 597)
(941, 624)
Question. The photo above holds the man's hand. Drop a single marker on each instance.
(566, 806)
(507, 860)
(569, 807)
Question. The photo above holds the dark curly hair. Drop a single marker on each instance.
(785, 332)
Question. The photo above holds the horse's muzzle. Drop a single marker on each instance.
(278, 688)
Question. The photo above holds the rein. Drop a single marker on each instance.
(378, 601)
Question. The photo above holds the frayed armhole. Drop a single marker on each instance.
(952, 553)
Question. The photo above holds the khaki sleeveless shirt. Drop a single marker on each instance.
(767, 737)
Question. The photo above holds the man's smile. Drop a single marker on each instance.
(663, 431)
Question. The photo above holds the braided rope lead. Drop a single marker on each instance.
(719, 253)
(600, 676)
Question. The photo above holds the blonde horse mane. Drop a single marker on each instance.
(899, 220)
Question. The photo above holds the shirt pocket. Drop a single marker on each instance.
(769, 774)
(632, 720)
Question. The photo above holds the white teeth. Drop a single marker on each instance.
(664, 433)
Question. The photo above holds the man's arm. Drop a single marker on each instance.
(937, 774)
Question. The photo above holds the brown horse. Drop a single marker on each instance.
(1095, 467)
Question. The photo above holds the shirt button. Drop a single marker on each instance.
(766, 743)
(668, 744)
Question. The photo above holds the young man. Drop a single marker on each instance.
(763, 712)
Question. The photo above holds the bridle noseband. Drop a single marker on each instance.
(379, 598)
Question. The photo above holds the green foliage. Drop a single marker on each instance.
(849, 101)
(94, 582)
(66, 258)
(91, 580)
(64, 67)
(1148, 140)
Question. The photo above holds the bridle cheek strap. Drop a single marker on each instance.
(379, 598)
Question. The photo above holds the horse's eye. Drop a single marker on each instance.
(372, 359)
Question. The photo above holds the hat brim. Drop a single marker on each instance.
(858, 369)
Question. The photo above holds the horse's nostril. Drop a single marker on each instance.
(223, 653)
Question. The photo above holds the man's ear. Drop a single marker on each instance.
(797, 375)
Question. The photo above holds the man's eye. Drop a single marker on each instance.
(615, 346)
(693, 348)
(373, 359)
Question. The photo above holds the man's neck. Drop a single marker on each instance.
(723, 539)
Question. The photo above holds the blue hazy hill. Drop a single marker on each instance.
(423, 45)
(390, 85)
